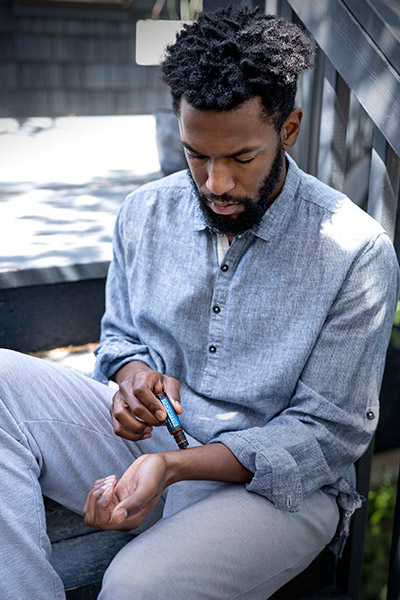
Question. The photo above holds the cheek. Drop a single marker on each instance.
(250, 181)
(199, 174)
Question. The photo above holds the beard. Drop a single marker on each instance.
(254, 208)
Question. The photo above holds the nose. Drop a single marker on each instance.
(219, 177)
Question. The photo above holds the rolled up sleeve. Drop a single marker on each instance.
(334, 411)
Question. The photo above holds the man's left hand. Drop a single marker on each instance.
(124, 505)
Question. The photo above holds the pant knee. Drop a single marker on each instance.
(9, 360)
(10, 369)
(131, 575)
(123, 582)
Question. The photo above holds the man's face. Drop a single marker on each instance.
(237, 164)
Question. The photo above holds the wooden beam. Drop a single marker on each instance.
(384, 183)
(358, 60)
(333, 128)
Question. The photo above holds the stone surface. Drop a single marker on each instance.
(62, 182)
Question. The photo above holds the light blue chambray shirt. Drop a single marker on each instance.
(280, 350)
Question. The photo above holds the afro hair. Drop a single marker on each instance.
(233, 54)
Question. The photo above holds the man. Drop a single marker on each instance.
(261, 302)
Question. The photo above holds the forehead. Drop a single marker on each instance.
(225, 132)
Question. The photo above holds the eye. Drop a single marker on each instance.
(194, 156)
(244, 162)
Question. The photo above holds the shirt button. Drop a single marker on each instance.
(216, 309)
(224, 267)
(212, 349)
(370, 415)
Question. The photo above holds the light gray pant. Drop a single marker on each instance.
(215, 541)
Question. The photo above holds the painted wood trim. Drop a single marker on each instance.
(355, 56)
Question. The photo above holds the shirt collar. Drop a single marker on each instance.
(274, 215)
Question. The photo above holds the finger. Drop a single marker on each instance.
(97, 484)
(144, 404)
(172, 389)
(104, 506)
(123, 417)
(91, 507)
(129, 515)
(101, 504)
(138, 406)
(126, 433)
(135, 496)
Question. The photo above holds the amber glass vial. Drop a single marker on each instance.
(172, 422)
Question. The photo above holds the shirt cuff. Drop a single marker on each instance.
(276, 475)
(110, 357)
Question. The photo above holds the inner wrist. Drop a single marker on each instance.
(175, 465)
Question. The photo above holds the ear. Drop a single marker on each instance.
(291, 128)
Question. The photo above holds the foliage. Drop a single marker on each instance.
(395, 337)
(378, 537)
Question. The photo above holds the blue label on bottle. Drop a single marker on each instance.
(172, 420)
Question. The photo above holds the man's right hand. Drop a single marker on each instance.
(135, 410)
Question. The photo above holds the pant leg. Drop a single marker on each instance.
(232, 544)
(56, 438)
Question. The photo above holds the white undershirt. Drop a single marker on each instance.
(222, 246)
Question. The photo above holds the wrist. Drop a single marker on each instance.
(174, 466)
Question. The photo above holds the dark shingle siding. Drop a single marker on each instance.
(55, 62)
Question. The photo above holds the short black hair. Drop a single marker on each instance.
(233, 54)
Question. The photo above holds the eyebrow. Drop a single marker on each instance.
(244, 150)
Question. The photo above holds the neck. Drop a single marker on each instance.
(278, 188)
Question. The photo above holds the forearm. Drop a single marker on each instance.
(124, 505)
(213, 462)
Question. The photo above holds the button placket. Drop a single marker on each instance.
(222, 283)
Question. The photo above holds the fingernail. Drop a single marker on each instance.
(146, 436)
(120, 514)
(161, 415)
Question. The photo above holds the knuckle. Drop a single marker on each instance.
(118, 431)
(117, 397)
(140, 389)
(97, 492)
(117, 412)
(117, 427)
(125, 384)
